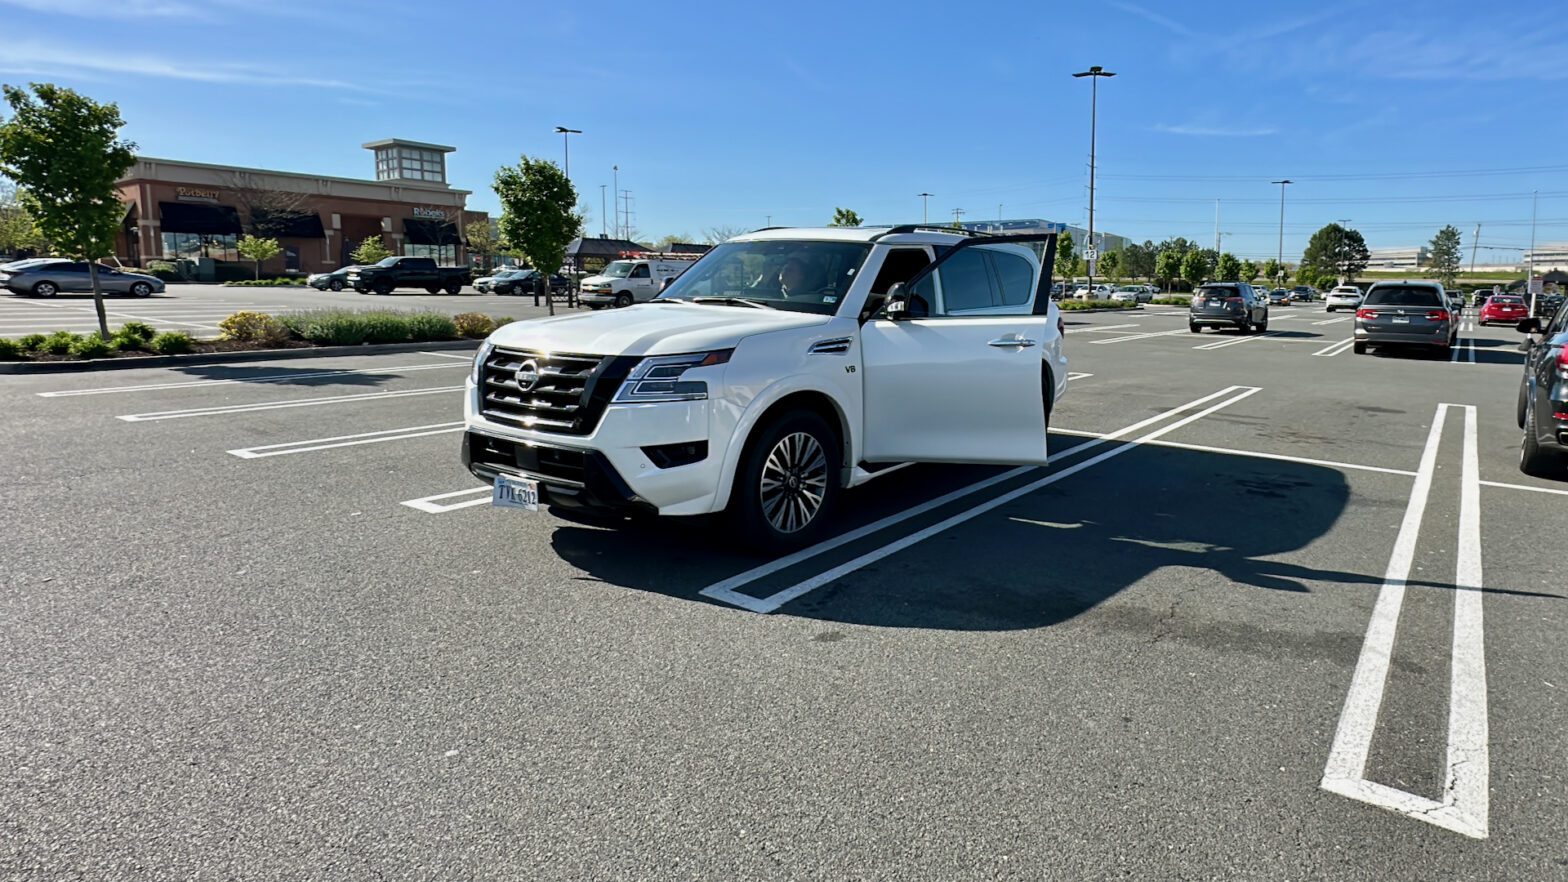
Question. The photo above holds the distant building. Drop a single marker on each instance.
(1398, 259)
(1548, 257)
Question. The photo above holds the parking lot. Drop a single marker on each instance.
(1275, 611)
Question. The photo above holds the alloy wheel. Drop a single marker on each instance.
(794, 482)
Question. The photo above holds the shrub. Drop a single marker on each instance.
(473, 324)
(341, 327)
(254, 327)
(91, 346)
(58, 343)
(172, 343)
(431, 326)
(10, 350)
(1172, 301)
(1080, 305)
(31, 341)
(266, 283)
(139, 330)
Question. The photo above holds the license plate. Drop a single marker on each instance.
(512, 492)
(1401, 321)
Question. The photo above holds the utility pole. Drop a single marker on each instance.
(1529, 275)
(626, 214)
(1094, 74)
(1216, 227)
(1280, 259)
(925, 207)
(1475, 244)
(603, 217)
(957, 213)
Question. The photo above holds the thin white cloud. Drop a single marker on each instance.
(1169, 24)
(1203, 131)
(1260, 31)
(118, 9)
(33, 59)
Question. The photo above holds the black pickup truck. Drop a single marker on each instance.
(408, 272)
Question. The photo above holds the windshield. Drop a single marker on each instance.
(793, 275)
(387, 261)
(1508, 299)
(620, 269)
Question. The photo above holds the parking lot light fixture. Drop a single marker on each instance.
(925, 207)
(1094, 74)
(1279, 260)
(566, 146)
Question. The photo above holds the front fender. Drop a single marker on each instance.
(738, 424)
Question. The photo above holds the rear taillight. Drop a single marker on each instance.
(1234, 301)
(1437, 315)
(1366, 313)
(1562, 363)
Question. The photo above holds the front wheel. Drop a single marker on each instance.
(1524, 398)
(45, 289)
(786, 487)
(335, 286)
(622, 301)
(141, 289)
(383, 288)
(1195, 327)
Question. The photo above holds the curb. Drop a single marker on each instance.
(156, 361)
(1068, 312)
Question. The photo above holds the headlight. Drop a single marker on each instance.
(480, 357)
(659, 378)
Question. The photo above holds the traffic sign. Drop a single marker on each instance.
(1091, 254)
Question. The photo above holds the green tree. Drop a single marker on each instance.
(537, 219)
(843, 217)
(18, 230)
(1334, 251)
(1249, 270)
(1271, 271)
(1110, 265)
(1066, 257)
(258, 249)
(1194, 268)
(1167, 268)
(1138, 260)
(1446, 255)
(1228, 268)
(372, 250)
(65, 150)
(483, 242)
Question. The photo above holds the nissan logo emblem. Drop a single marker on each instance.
(528, 375)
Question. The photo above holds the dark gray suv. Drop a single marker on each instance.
(1228, 305)
(1405, 313)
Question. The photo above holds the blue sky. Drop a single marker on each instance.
(726, 114)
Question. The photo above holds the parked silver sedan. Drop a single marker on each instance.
(72, 277)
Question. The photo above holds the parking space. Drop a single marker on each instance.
(1275, 610)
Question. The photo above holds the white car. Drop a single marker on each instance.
(624, 282)
(782, 368)
(1099, 292)
(1343, 297)
(1133, 294)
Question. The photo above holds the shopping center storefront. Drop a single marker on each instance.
(177, 210)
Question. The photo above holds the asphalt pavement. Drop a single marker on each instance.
(1275, 611)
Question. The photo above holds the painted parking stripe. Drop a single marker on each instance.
(269, 378)
(1334, 349)
(726, 590)
(1237, 341)
(434, 504)
(1465, 805)
(1333, 321)
(468, 357)
(1128, 337)
(1078, 375)
(1097, 328)
(280, 405)
(310, 446)
(1502, 486)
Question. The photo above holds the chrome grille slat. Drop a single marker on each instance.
(558, 403)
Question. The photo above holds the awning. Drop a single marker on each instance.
(430, 232)
(298, 226)
(182, 217)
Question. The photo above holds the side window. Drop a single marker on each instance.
(640, 271)
(1015, 281)
(900, 265)
(960, 285)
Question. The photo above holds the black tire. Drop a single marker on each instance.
(45, 289)
(1194, 327)
(1245, 327)
(623, 300)
(432, 289)
(1524, 393)
(1534, 460)
(772, 444)
(141, 289)
(454, 290)
(1330, 309)
(1262, 328)
(383, 288)
(1359, 347)
(594, 306)
(335, 286)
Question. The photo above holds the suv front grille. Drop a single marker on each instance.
(569, 397)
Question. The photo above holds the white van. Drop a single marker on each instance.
(625, 282)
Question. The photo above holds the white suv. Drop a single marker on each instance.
(781, 368)
(1343, 297)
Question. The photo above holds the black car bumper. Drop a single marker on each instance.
(568, 476)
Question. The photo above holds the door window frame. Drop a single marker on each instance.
(1041, 304)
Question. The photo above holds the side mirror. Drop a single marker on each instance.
(664, 285)
(1529, 326)
(896, 307)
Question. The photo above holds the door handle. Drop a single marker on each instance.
(1011, 343)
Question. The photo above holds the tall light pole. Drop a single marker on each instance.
(925, 207)
(1529, 276)
(566, 146)
(602, 205)
(1279, 261)
(616, 171)
(1094, 73)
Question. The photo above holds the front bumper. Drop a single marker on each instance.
(596, 297)
(568, 477)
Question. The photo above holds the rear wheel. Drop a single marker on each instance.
(1535, 460)
(1195, 327)
(45, 289)
(1359, 348)
(1262, 326)
(623, 300)
(786, 487)
(454, 290)
(1245, 327)
(335, 286)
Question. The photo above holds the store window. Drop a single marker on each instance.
(189, 246)
(443, 254)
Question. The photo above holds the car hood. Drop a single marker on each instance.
(484, 280)
(651, 329)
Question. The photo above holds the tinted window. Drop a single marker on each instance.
(900, 265)
(1015, 277)
(966, 284)
(640, 271)
(1219, 292)
(1404, 295)
(1515, 301)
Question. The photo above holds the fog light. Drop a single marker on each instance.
(669, 456)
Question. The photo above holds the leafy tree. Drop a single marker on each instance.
(370, 251)
(1249, 270)
(1178, 244)
(258, 249)
(1211, 259)
(1310, 275)
(1194, 268)
(18, 230)
(1227, 268)
(65, 150)
(1066, 257)
(538, 220)
(1334, 251)
(843, 217)
(1271, 271)
(1167, 268)
(483, 242)
(663, 243)
(1138, 260)
(1110, 265)
(1446, 255)
(722, 233)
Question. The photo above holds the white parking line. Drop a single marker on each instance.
(1236, 341)
(1333, 321)
(269, 378)
(314, 444)
(726, 589)
(1098, 328)
(1077, 375)
(278, 405)
(1503, 486)
(1128, 337)
(469, 357)
(1465, 806)
(1334, 349)
(433, 504)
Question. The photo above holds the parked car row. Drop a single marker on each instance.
(48, 276)
(520, 282)
(1543, 396)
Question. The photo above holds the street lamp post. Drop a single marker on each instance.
(616, 181)
(1279, 260)
(566, 146)
(1094, 73)
(602, 205)
(566, 169)
(925, 207)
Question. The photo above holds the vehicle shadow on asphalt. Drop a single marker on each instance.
(1047, 557)
(274, 375)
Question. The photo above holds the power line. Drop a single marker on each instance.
(1372, 176)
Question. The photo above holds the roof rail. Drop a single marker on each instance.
(930, 228)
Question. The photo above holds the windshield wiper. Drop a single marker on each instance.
(733, 301)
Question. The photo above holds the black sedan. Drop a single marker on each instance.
(333, 281)
(1543, 397)
(521, 282)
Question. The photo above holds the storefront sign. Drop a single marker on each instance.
(431, 213)
(192, 194)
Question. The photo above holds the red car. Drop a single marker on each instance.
(1506, 308)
